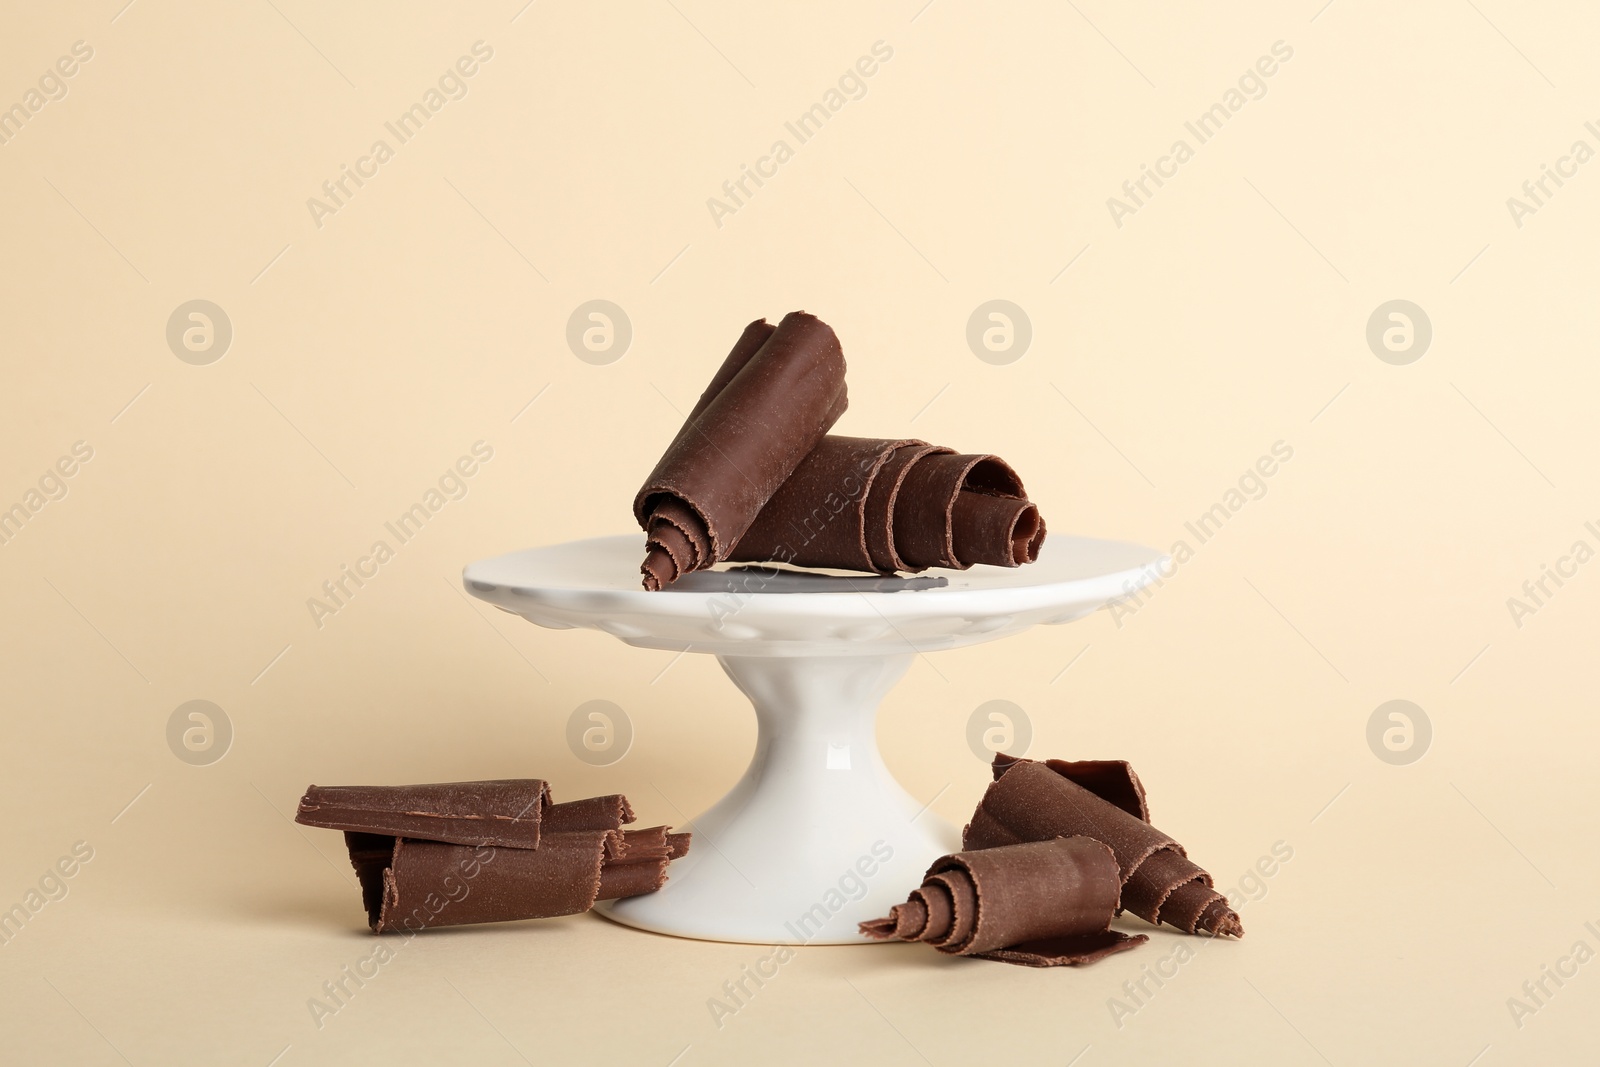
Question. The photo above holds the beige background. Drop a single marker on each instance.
(1228, 313)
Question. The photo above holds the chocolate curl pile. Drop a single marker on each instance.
(751, 477)
(881, 505)
(1039, 904)
(475, 852)
(773, 398)
(1102, 799)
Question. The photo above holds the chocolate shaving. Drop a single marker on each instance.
(775, 395)
(450, 854)
(1039, 904)
(1032, 801)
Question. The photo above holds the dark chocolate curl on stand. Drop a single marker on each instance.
(776, 394)
(1000, 531)
(884, 501)
(820, 517)
(883, 505)
(1039, 904)
(993, 510)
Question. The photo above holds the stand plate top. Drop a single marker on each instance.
(764, 610)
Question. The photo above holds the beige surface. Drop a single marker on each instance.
(1226, 314)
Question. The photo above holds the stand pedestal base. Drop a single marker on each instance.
(817, 836)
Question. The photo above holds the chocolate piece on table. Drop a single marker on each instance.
(410, 884)
(895, 505)
(1031, 801)
(507, 812)
(774, 397)
(1040, 904)
(424, 884)
(474, 852)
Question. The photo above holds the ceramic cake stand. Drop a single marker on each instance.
(817, 836)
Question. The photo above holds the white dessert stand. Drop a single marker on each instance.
(817, 836)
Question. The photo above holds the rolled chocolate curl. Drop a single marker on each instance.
(1039, 904)
(884, 505)
(410, 884)
(1102, 799)
(413, 884)
(467, 854)
(821, 516)
(774, 397)
(987, 496)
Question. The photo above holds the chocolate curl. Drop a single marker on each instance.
(895, 505)
(769, 404)
(674, 529)
(884, 501)
(466, 851)
(820, 517)
(1032, 801)
(409, 884)
(505, 812)
(1000, 531)
(678, 533)
(989, 497)
(422, 884)
(1039, 904)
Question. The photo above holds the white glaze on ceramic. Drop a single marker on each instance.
(816, 808)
